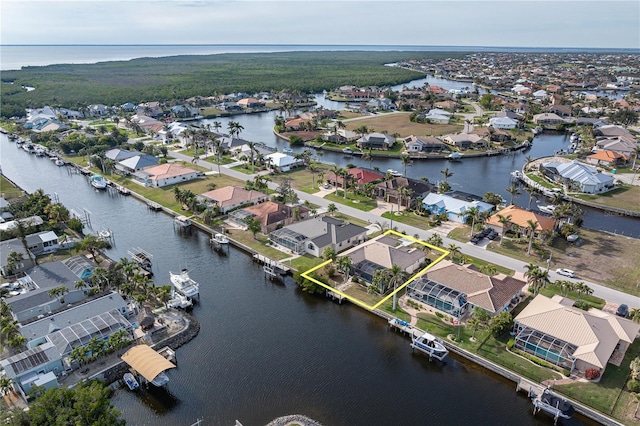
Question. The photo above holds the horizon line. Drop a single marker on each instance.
(315, 44)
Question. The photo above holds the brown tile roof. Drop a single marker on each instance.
(232, 195)
(520, 216)
(167, 170)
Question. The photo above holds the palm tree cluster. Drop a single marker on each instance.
(186, 197)
(97, 347)
(536, 277)
(387, 279)
(9, 328)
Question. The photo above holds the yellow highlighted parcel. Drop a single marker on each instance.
(444, 253)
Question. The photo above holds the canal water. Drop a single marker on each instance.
(267, 350)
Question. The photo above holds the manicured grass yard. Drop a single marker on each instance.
(356, 201)
(306, 262)
(8, 189)
(409, 218)
(626, 197)
(602, 396)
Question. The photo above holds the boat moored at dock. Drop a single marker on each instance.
(553, 404)
(430, 345)
(98, 182)
(182, 221)
(220, 239)
(130, 381)
(185, 284)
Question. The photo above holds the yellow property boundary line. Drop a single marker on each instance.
(359, 302)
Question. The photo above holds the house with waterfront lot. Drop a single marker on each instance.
(283, 162)
(519, 220)
(136, 163)
(231, 197)
(270, 214)
(576, 176)
(381, 253)
(553, 330)
(165, 174)
(312, 236)
(456, 289)
(376, 141)
(415, 143)
(465, 140)
(504, 123)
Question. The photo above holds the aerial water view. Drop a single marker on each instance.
(301, 213)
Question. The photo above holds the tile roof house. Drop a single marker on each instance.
(548, 118)
(270, 214)
(607, 158)
(358, 176)
(166, 174)
(455, 208)
(577, 176)
(553, 330)
(382, 253)
(389, 190)
(491, 293)
(621, 145)
(312, 236)
(231, 197)
(519, 219)
(465, 140)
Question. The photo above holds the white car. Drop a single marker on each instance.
(566, 272)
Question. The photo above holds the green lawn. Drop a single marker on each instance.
(602, 395)
(306, 262)
(353, 200)
(551, 289)
(409, 218)
(9, 191)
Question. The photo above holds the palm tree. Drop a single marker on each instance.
(313, 169)
(446, 173)
(329, 254)
(406, 160)
(251, 146)
(397, 276)
(344, 266)
(5, 385)
(453, 250)
(513, 190)
(331, 208)
(505, 222)
(532, 225)
(404, 193)
(472, 212)
(536, 277)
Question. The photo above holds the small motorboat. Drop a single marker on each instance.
(553, 404)
(287, 150)
(130, 381)
(517, 174)
(430, 345)
(219, 239)
(455, 156)
(547, 209)
(394, 173)
(98, 182)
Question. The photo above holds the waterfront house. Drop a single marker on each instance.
(283, 162)
(248, 103)
(313, 235)
(519, 221)
(427, 144)
(39, 280)
(136, 163)
(27, 222)
(548, 119)
(456, 289)
(38, 366)
(381, 253)
(376, 141)
(340, 136)
(624, 145)
(454, 207)
(270, 214)
(183, 111)
(118, 155)
(78, 324)
(148, 124)
(553, 330)
(231, 197)
(165, 174)
(465, 140)
(576, 176)
(150, 109)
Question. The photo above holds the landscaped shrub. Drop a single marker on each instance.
(591, 374)
(510, 343)
(581, 304)
(633, 385)
(439, 315)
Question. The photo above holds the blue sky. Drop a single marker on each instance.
(559, 23)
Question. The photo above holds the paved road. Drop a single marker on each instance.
(606, 293)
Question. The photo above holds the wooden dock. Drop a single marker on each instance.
(277, 267)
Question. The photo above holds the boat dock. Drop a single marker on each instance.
(153, 206)
(404, 327)
(277, 267)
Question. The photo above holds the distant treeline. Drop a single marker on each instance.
(180, 77)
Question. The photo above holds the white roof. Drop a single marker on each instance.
(280, 159)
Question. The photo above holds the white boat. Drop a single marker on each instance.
(182, 221)
(516, 174)
(40, 151)
(455, 156)
(287, 150)
(130, 381)
(98, 182)
(179, 301)
(105, 235)
(536, 131)
(123, 190)
(160, 380)
(547, 209)
(572, 238)
(394, 173)
(347, 151)
(574, 138)
(184, 284)
(553, 404)
(219, 239)
(58, 162)
(430, 345)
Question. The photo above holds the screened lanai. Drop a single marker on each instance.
(81, 333)
(438, 296)
(81, 266)
(241, 217)
(290, 239)
(366, 270)
(545, 347)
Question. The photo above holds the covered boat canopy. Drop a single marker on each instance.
(146, 361)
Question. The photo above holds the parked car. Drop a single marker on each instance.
(622, 311)
(566, 272)
(326, 186)
(492, 235)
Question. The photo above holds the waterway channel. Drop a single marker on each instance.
(267, 350)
